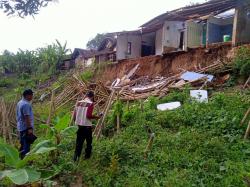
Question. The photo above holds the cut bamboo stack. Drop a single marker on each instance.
(7, 121)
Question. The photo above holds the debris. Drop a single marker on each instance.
(168, 106)
(199, 95)
(192, 76)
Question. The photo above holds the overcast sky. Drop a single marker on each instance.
(76, 21)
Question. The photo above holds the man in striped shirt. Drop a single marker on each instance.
(83, 115)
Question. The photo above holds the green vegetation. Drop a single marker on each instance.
(27, 69)
(198, 144)
(242, 62)
(42, 60)
(23, 8)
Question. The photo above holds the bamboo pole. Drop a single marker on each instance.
(52, 107)
(100, 126)
(149, 145)
(247, 131)
(245, 85)
(141, 105)
(245, 117)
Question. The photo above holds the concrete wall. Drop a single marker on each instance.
(159, 42)
(171, 33)
(241, 30)
(122, 46)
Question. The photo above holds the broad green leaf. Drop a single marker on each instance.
(10, 153)
(62, 123)
(46, 174)
(4, 173)
(18, 177)
(45, 143)
(69, 131)
(33, 175)
(23, 176)
(42, 150)
(44, 126)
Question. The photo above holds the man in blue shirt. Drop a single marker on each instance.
(25, 122)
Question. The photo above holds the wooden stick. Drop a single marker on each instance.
(105, 114)
(141, 105)
(247, 131)
(245, 85)
(51, 110)
(149, 145)
(245, 117)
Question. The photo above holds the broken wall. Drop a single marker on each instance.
(159, 42)
(171, 34)
(241, 28)
(122, 46)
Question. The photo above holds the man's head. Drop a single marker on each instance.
(90, 95)
(28, 94)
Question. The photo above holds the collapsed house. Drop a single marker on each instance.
(225, 21)
(203, 25)
(82, 57)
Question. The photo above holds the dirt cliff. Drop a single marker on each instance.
(169, 64)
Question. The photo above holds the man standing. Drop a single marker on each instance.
(25, 122)
(83, 115)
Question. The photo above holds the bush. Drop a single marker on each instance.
(5, 82)
(87, 75)
(242, 62)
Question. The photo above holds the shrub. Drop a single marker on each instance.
(87, 75)
(5, 82)
(242, 62)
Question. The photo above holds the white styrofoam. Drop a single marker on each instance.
(199, 95)
(168, 106)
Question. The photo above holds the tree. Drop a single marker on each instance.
(23, 8)
(96, 41)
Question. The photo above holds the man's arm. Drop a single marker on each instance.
(27, 121)
(90, 112)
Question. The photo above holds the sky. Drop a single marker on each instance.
(77, 21)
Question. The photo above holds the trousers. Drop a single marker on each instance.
(25, 145)
(83, 133)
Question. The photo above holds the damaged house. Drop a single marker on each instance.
(201, 25)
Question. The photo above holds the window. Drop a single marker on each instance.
(129, 48)
(112, 57)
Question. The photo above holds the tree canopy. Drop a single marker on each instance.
(96, 41)
(23, 8)
(42, 60)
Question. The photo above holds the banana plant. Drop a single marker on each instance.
(60, 129)
(19, 171)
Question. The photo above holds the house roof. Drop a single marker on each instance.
(108, 43)
(83, 52)
(214, 7)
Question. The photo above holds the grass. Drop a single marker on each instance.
(196, 145)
